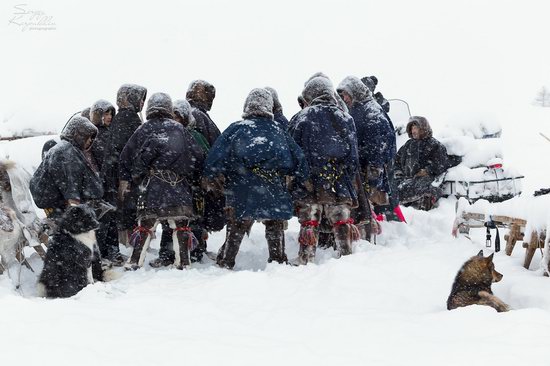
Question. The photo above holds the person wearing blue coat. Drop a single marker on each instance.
(328, 138)
(375, 136)
(253, 157)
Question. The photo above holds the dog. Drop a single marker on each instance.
(472, 284)
(68, 263)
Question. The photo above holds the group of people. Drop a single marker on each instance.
(333, 164)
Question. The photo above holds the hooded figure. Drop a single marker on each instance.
(278, 115)
(375, 133)
(338, 99)
(371, 82)
(327, 136)
(98, 112)
(65, 176)
(165, 157)
(418, 163)
(200, 96)
(101, 114)
(130, 100)
(254, 156)
(182, 114)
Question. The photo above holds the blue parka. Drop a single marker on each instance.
(254, 155)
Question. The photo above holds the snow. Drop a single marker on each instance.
(258, 141)
(383, 305)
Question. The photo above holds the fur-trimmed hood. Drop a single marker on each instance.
(182, 108)
(259, 103)
(423, 125)
(98, 109)
(201, 94)
(159, 105)
(78, 130)
(355, 88)
(319, 90)
(130, 96)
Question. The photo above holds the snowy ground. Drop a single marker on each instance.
(384, 305)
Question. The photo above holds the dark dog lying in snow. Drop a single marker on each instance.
(68, 263)
(472, 284)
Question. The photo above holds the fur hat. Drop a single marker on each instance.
(370, 82)
(78, 130)
(131, 96)
(259, 103)
(319, 90)
(201, 94)
(78, 219)
(182, 108)
(98, 109)
(159, 105)
(353, 86)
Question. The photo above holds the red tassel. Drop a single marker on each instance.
(307, 237)
(311, 223)
(137, 235)
(191, 240)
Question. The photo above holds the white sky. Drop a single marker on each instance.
(451, 60)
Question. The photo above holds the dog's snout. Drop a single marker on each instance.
(497, 276)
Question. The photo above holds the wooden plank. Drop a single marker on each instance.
(512, 238)
(531, 249)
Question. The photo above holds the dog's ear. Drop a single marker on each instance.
(490, 258)
(480, 254)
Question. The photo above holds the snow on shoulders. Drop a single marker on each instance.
(260, 140)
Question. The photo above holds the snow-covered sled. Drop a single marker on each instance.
(482, 172)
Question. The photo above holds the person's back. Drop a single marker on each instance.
(327, 136)
(65, 175)
(255, 156)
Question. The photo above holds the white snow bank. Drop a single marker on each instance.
(383, 305)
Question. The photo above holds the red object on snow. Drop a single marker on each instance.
(397, 211)
(495, 166)
(380, 217)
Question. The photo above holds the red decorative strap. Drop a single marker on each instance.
(141, 229)
(183, 228)
(311, 223)
(344, 222)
